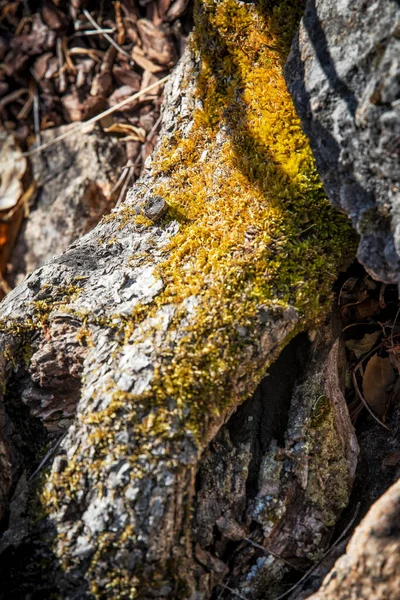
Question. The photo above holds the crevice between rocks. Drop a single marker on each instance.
(231, 545)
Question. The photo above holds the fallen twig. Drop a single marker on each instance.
(233, 591)
(62, 83)
(81, 126)
(361, 397)
(153, 130)
(106, 36)
(85, 32)
(49, 454)
(129, 175)
(267, 551)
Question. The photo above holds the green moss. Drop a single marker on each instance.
(256, 233)
(260, 231)
(51, 298)
(329, 482)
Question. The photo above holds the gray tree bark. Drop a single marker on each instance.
(177, 470)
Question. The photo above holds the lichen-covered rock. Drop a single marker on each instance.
(343, 73)
(370, 568)
(177, 318)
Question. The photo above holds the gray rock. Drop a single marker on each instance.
(75, 188)
(344, 76)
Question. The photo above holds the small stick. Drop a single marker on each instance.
(359, 394)
(153, 130)
(12, 96)
(369, 409)
(267, 551)
(109, 111)
(106, 36)
(130, 173)
(358, 324)
(96, 55)
(119, 22)
(124, 172)
(63, 83)
(36, 117)
(70, 64)
(49, 454)
(85, 32)
(25, 19)
(233, 591)
(24, 112)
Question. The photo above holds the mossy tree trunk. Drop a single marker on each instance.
(144, 337)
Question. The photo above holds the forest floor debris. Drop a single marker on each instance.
(67, 62)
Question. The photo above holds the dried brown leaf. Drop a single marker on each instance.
(365, 344)
(367, 309)
(157, 43)
(12, 171)
(9, 13)
(41, 65)
(163, 6)
(134, 133)
(126, 77)
(379, 375)
(177, 9)
(14, 62)
(97, 55)
(101, 84)
(53, 16)
(72, 105)
(40, 39)
(52, 68)
(391, 460)
(120, 94)
(145, 63)
(93, 105)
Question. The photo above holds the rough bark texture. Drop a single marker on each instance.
(343, 74)
(156, 326)
(282, 468)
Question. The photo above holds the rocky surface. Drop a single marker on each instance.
(370, 567)
(344, 77)
(74, 181)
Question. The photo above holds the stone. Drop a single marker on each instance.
(371, 565)
(74, 190)
(343, 74)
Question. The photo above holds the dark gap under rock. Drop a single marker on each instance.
(264, 417)
(25, 434)
(228, 476)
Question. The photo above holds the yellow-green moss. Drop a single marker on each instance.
(255, 231)
(255, 226)
(329, 481)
